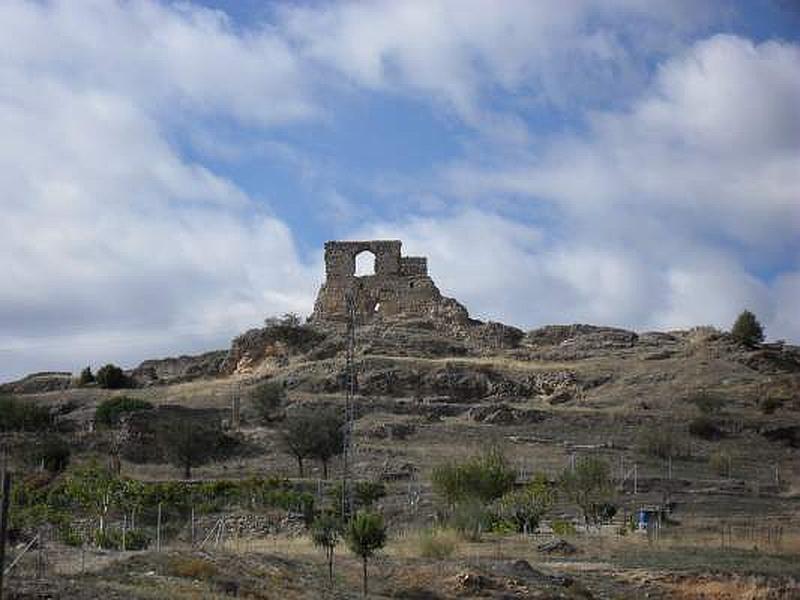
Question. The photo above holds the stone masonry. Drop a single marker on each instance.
(399, 287)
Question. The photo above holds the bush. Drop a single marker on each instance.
(707, 404)
(588, 485)
(770, 405)
(561, 527)
(16, 415)
(364, 495)
(484, 477)
(111, 539)
(53, 454)
(470, 518)
(110, 411)
(111, 377)
(662, 442)
(193, 568)
(747, 329)
(720, 462)
(704, 428)
(86, 377)
(525, 507)
(437, 544)
(268, 399)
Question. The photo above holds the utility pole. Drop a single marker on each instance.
(236, 406)
(351, 300)
(6, 488)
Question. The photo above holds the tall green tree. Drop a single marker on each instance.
(747, 329)
(366, 534)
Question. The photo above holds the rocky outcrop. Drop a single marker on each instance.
(178, 369)
(276, 342)
(36, 383)
(581, 337)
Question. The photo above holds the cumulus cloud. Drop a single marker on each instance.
(460, 53)
(115, 246)
(714, 143)
(120, 241)
(505, 270)
(660, 212)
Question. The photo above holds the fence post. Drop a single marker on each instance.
(158, 529)
(4, 524)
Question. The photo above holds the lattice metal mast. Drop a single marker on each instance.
(350, 390)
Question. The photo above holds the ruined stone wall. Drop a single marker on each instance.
(400, 285)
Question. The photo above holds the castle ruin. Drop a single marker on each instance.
(400, 285)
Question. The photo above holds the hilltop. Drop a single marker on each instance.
(692, 420)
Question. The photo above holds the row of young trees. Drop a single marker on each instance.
(480, 493)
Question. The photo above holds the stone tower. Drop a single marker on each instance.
(400, 285)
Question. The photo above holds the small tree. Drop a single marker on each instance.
(325, 532)
(53, 454)
(485, 477)
(268, 399)
(366, 534)
(86, 377)
(589, 487)
(525, 507)
(298, 435)
(329, 437)
(111, 377)
(188, 443)
(747, 329)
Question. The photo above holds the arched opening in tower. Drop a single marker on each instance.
(365, 263)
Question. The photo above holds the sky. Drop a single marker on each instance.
(169, 171)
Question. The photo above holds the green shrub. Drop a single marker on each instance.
(53, 453)
(747, 329)
(470, 519)
(111, 539)
(437, 544)
(484, 477)
(70, 536)
(707, 404)
(18, 415)
(720, 462)
(524, 508)
(110, 411)
(86, 377)
(561, 527)
(704, 428)
(111, 377)
(770, 405)
(268, 400)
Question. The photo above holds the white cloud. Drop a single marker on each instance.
(461, 52)
(114, 246)
(714, 144)
(177, 59)
(683, 193)
(504, 270)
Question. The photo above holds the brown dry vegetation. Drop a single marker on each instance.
(734, 536)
